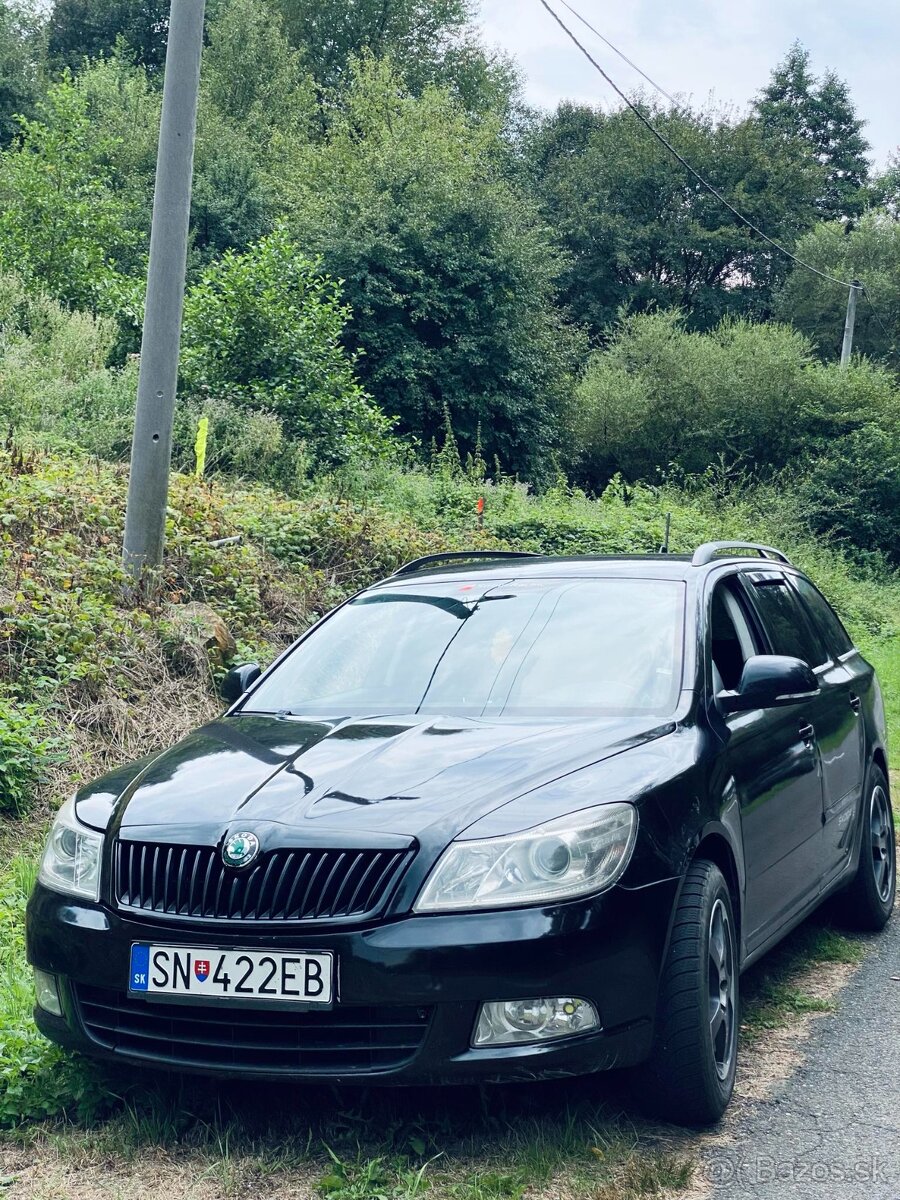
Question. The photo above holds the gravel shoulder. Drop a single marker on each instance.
(832, 1128)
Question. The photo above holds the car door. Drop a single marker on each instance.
(773, 766)
(839, 729)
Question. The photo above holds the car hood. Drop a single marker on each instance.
(351, 781)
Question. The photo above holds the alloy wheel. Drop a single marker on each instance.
(880, 824)
(722, 989)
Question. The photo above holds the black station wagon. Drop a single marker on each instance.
(497, 817)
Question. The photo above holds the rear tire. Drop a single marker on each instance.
(689, 1077)
(868, 901)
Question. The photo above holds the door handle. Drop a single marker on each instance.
(855, 703)
(807, 732)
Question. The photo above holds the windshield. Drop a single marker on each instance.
(519, 649)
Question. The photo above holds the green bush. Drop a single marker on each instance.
(262, 330)
(37, 1079)
(750, 399)
(61, 218)
(53, 377)
(853, 491)
(25, 753)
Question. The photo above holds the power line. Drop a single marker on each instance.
(660, 137)
(624, 57)
(865, 292)
(668, 145)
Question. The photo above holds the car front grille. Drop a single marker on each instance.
(346, 1039)
(284, 884)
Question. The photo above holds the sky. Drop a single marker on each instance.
(722, 50)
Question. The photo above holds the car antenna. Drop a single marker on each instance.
(664, 548)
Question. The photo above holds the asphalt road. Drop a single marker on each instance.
(832, 1131)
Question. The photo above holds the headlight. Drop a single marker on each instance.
(575, 855)
(71, 861)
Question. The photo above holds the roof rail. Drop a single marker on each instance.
(428, 560)
(710, 551)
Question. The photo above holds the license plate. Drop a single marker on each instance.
(272, 975)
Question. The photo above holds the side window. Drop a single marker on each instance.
(785, 621)
(731, 640)
(824, 616)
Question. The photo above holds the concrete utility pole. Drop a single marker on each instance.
(151, 449)
(850, 323)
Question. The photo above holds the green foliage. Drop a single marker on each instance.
(60, 219)
(430, 41)
(21, 52)
(252, 76)
(448, 273)
(746, 399)
(884, 655)
(36, 1079)
(257, 103)
(642, 232)
(853, 490)
(123, 108)
(366, 1179)
(869, 251)
(24, 754)
(52, 373)
(262, 330)
(884, 187)
(795, 105)
(80, 29)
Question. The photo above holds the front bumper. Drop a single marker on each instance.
(439, 969)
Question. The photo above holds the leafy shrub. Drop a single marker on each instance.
(61, 219)
(262, 330)
(853, 491)
(748, 397)
(53, 377)
(37, 1079)
(252, 444)
(24, 754)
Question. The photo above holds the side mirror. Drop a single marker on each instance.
(238, 679)
(771, 681)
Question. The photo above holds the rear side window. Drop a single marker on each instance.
(785, 621)
(825, 617)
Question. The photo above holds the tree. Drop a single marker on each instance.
(429, 41)
(88, 29)
(256, 104)
(123, 108)
(262, 330)
(61, 220)
(795, 104)
(448, 271)
(870, 251)
(885, 187)
(643, 233)
(21, 54)
(251, 74)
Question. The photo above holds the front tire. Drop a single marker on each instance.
(868, 901)
(689, 1077)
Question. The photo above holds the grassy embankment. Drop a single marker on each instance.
(100, 679)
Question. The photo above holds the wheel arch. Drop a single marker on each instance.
(716, 847)
(879, 759)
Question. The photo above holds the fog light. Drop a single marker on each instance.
(509, 1022)
(47, 992)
